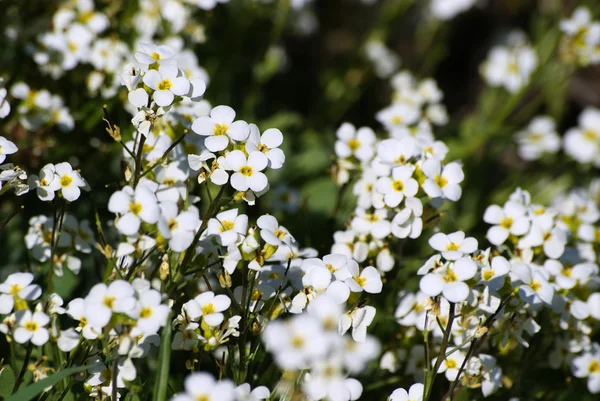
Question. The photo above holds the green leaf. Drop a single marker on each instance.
(161, 380)
(31, 391)
(7, 381)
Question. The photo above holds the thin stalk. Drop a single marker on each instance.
(138, 160)
(164, 156)
(443, 347)
(10, 217)
(23, 368)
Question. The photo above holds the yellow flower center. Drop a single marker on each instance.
(450, 276)
(440, 181)
(594, 367)
(72, 46)
(165, 85)
(256, 295)
(488, 274)
(396, 120)
(589, 135)
(172, 224)
(360, 280)
(263, 148)
(146, 312)
(297, 341)
(246, 170)
(567, 272)
(451, 363)
(208, 309)
(329, 267)
(65, 180)
(43, 182)
(280, 233)
(108, 301)
(513, 67)
(31, 326)
(506, 222)
(535, 137)
(135, 208)
(353, 144)
(535, 285)
(398, 186)
(220, 129)
(452, 246)
(202, 397)
(226, 225)
(155, 56)
(14, 289)
(372, 217)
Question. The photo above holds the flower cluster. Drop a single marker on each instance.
(39, 108)
(510, 66)
(401, 179)
(581, 38)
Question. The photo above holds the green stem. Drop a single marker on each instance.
(441, 354)
(24, 367)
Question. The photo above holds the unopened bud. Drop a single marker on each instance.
(164, 268)
(225, 280)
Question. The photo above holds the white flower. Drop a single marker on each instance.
(228, 226)
(208, 306)
(510, 66)
(451, 365)
(46, 184)
(6, 148)
(588, 365)
(359, 319)
(415, 393)
(368, 280)
(150, 54)
(220, 127)
(68, 340)
(17, 286)
(271, 232)
(178, 228)
(202, 386)
(397, 151)
(493, 275)
(150, 313)
(166, 85)
(374, 223)
(443, 182)
(539, 137)
(448, 9)
(352, 142)
(400, 185)
(583, 142)
(4, 105)
(243, 393)
(32, 327)
(134, 206)
(453, 246)
(247, 172)
(510, 219)
(544, 232)
(296, 342)
(398, 115)
(76, 309)
(408, 222)
(535, 287)
(103, 301)
(69, 181)
(268, 143)
(449, 280)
